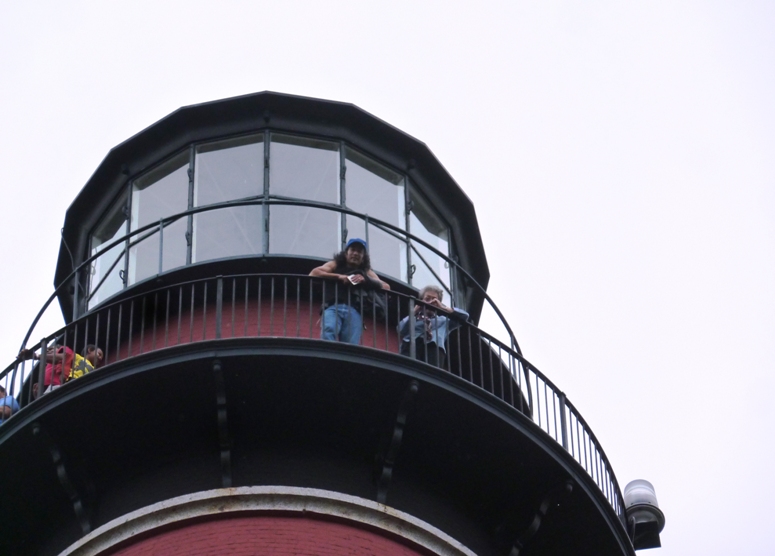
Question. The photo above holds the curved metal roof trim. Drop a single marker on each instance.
(281, 112)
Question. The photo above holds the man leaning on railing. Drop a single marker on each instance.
(431, 329)
(341, 320)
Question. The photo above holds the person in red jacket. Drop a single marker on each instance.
(59, 361)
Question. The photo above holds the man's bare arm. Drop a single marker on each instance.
(383, 285)
(327, 271)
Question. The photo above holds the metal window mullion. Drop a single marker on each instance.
(127, 230)
(408, 217)
(342, 194)
(190, 217)
(265, 206)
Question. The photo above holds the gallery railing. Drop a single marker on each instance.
(289, 306)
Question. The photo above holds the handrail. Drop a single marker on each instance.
(285, 305)
(255, 201)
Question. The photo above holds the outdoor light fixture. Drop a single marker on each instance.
(645, 519)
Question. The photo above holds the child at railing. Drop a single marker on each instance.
(431, 329)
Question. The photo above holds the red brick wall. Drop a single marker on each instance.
(267, 536)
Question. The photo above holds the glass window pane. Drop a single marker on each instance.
(225, 171)
(425, 224)
(228, 170)
(230, 232)
(373, 189)
(304, 168)
(304, 231)
(161, 192)
(105, 277)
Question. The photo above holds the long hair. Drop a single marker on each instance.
(341, 260)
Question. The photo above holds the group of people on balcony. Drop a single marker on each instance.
(62, 365)
(357, 289)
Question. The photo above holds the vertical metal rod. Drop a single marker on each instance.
(458, 341)
(374, 319)
(167, 320)
(481, 361)
(75, 334)
(285, 307)
(204, 313)
(233, 303)
(246, 316)
(271, 308)
(161, 245)
(546, 405)
(155, 318)
(298, 306)
(66, 372)
(107, 338)
(470, 358)
(412, 322)
(218, 307)
(538, 398)
(142, 327)
(492, 373)
(118, 336)
(191, 312)
(311, 304)
(42, 367)
(180, 312)
(260, 302)
(86, 333)
(96, 331)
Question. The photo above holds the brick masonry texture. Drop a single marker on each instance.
(267, 536)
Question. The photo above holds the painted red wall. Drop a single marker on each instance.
(267, 536)
(275, 320)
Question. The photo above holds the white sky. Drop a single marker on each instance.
(621, 157)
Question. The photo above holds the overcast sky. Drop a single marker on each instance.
(620, 155)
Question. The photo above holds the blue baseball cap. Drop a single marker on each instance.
(356, 240)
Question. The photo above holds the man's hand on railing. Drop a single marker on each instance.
(26, 354)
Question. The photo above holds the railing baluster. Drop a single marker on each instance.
(142, 327)
(245, 323)
(311, 304)
(118, 335)
(271, 306)
(155, 318)
(107, 338)
(260, 302)
(218, 307)
(285, 307)
(298, 306)
(233, 303)
(191, 323)
(167, 320)
(204, 313)
(180, 312)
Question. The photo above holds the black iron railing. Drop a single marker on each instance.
(289, 306)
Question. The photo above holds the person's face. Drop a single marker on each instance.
(95, 357)
(430, 296)
(355, 254)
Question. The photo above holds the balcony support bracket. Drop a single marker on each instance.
(223, 425)
(388, 458)
(64, 477)
(552, 499)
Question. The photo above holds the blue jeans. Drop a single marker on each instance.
(341, 323)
